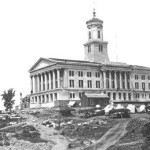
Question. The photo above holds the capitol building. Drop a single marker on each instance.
(59, 81)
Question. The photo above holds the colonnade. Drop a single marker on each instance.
(46, 81)
(115, 79)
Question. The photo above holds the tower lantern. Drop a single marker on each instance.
(95, 47)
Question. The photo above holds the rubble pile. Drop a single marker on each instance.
(82, 134)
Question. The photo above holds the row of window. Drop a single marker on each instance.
(80, 74)
(142, 77)
(100, 48)
(143, 85)
(98, 84)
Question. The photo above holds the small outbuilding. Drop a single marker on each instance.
(91, 100)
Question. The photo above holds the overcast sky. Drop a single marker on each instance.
(30, 29)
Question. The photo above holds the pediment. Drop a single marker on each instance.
(42, 63)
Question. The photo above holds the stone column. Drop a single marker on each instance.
(38, 84)
(127, 96)
(58, 78)
(41, 82)
(130, 80)
(32, 83)
(110, 80)
(101, 80)
(49, 80)
(65, 78)
(120, 80)
(111, 96)
(46, 81)
(115, 78)
(117, 96)
(125, 77)
(132, 96)
(54, 80)
(122, 98)
(104, 79)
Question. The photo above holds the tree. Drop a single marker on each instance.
(8, 99)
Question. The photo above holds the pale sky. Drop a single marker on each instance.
(30, 29)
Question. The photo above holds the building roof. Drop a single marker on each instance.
(52, 61)
(102, 95)
(94, 20)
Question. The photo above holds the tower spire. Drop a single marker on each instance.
(94, 13)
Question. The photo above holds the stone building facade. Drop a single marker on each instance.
(58, 81)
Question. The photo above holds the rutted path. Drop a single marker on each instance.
(111, 137)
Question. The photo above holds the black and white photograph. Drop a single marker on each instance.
(75, 75)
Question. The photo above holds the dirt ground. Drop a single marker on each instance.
(112, 134)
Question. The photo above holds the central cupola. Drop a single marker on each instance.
(95, 47)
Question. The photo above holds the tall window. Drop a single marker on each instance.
(136, 77)
(72, 95)
(81, 83)
(100, 47)
(99, 34)
(143, 85)
(97, 74)
(89, 34)
(89, 74)
(143, 77)
(71, 83)
(55, 94)
(71, 73)
(148, 77)
(89, 48)
(148, 85)
(136, 85)
(89, 83)
(80, 73)
(97, 84)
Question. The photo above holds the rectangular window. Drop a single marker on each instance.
(119, 95)
(89, 83)
(148, 77)
(124, 96)
(97, 74)
(136, 85)
(71, 83)
(143, 77)
(137, 95)
(114, 96)
(89, 74)
(101, 48)
(129, 95)
(72, 95)
(71, 73)
(89, 48)
(136, 77)
(55, 94)
(97, 84)
(99, 35)
(81, 83)
(148, 85)
(89, 34)
(80, 73)
(143, 86)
